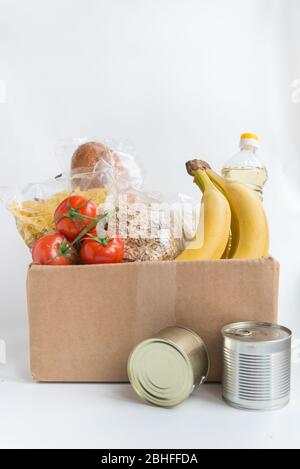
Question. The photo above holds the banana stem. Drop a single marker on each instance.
(202, 180)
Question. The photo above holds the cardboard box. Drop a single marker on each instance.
(84, 320)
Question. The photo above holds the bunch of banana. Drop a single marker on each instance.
(238, 230)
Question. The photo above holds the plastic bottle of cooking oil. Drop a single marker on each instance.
(246, 166)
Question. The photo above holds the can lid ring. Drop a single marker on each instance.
(236, 330)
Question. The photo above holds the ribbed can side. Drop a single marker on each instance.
(260, 382)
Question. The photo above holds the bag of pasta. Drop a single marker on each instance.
(34, 206)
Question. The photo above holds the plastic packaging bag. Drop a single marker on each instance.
(114, 162)
(34, 206)
(153, 226)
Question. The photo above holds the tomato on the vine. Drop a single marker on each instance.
(74, 215)
(54, 249)
(95, 250)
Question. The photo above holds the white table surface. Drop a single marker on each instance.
(34, 415)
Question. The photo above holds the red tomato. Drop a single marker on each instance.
(98, 251)
(54, 249)
(73, 215)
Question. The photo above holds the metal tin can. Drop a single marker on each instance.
(257, 365)
(165, 369)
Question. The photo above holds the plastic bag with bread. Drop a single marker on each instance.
(113, 163)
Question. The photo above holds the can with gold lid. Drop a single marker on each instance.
(165, 369)
(257, 365)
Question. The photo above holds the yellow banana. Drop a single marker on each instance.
(250, 232)
(214, 226)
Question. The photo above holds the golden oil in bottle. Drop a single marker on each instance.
(253, 177)
(245, 166)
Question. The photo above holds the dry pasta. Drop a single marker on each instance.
(34, 218)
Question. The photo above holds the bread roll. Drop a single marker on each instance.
(98, 166)
(86, 162)
(87, 156)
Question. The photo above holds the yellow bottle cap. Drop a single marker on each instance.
(248, 136)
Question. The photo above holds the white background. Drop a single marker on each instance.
(181, 79)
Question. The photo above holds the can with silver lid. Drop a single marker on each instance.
(165, 369)
(257, 365)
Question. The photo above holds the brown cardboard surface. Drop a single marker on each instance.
(84, 320)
